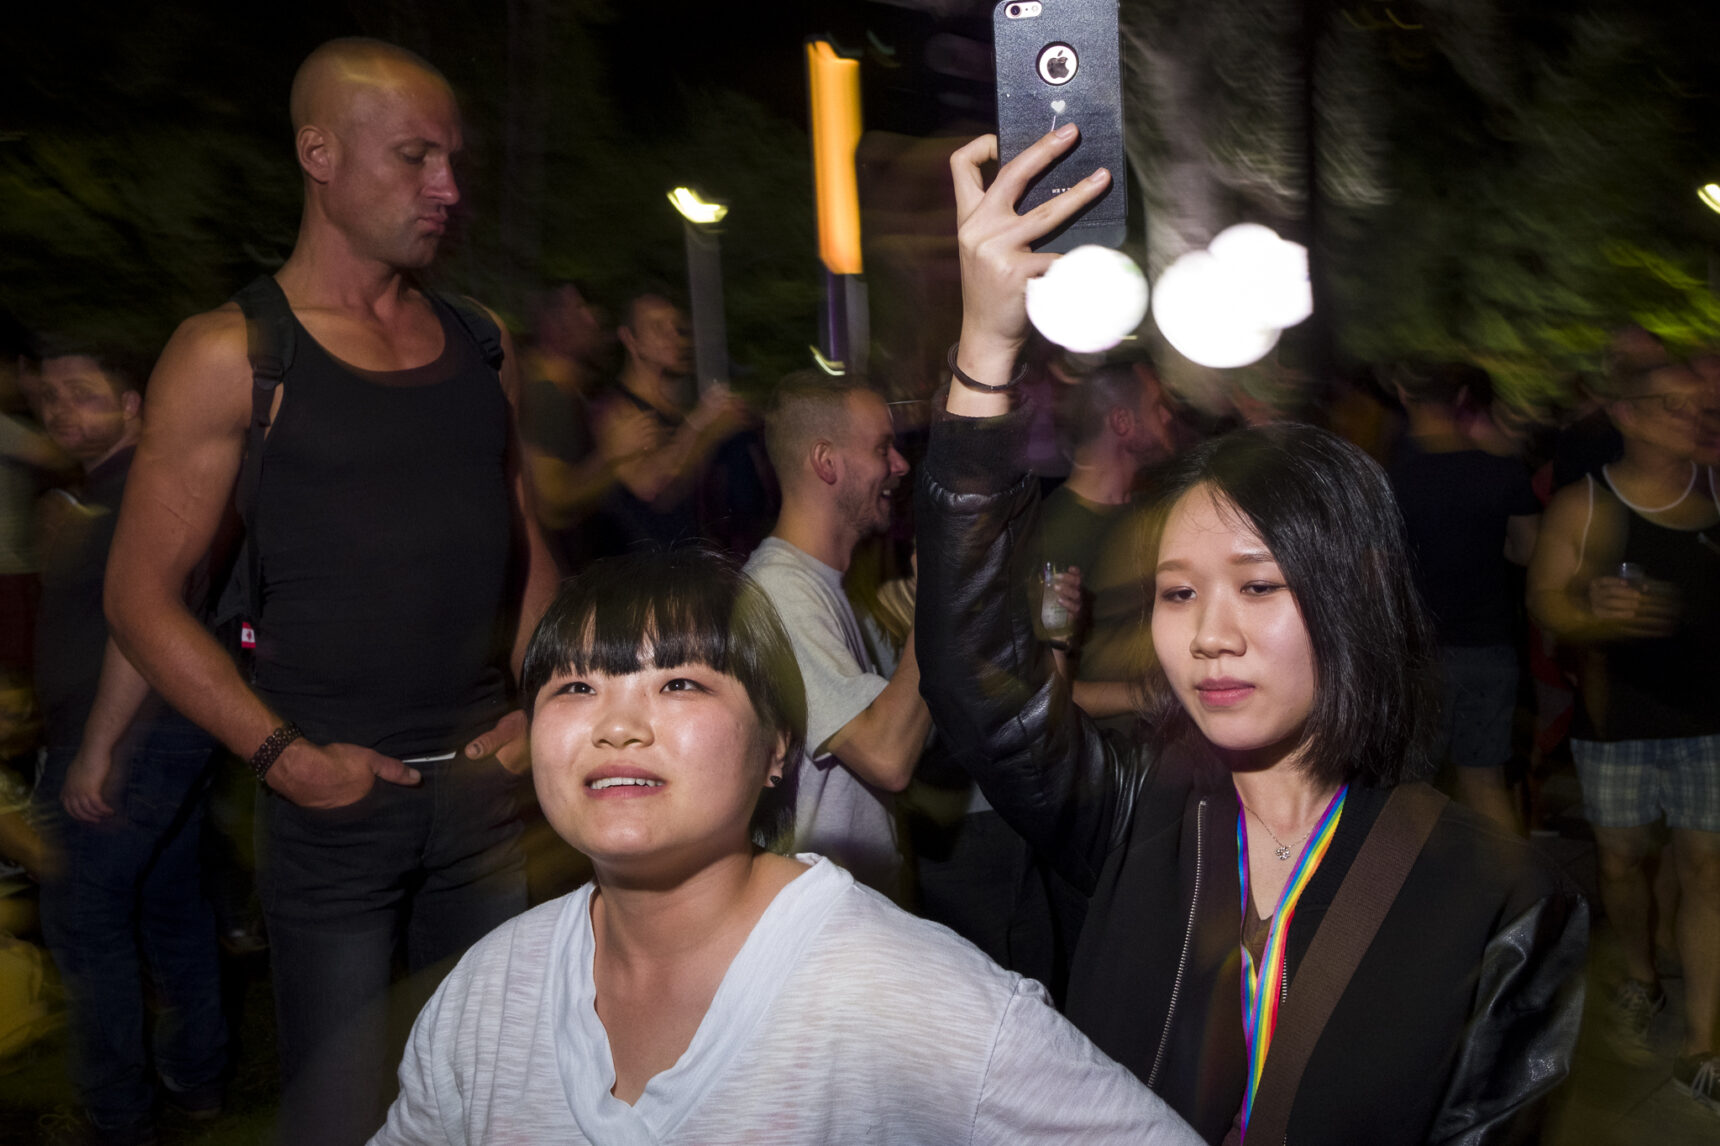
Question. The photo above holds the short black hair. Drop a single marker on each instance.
(684, 606)
(1445, 384)
(653, 292)
(125, 369)
(1083, 409)
(805, 405)
(1327, 513)
(546, 300)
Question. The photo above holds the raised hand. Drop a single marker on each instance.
(719, 413)
(996, 259)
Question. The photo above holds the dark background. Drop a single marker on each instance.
(1499, 181)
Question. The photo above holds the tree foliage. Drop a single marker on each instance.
(1561, 207)
(1497, 183)
(146, 167)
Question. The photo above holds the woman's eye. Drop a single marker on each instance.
(682, 684)
(1261, 588)
(1177, 594)
(575, 688)
(412, 156)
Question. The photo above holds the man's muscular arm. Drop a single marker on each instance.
(667, 470)
(176, 493)
(1569, 596)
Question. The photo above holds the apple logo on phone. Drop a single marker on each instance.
(1058, 64)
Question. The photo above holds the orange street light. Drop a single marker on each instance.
(835, 86)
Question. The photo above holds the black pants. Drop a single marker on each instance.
(422, 872)
(980, 879)
(125, 917)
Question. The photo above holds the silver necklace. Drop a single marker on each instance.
(1283, 851)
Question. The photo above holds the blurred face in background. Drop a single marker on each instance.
(656, 336)
(1707, 369)
(1152, 440)
(571, 328)
(1667, 415)
(83, 411)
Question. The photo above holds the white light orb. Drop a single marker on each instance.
(1195, 307)
(1270, 274)
(1090, 300)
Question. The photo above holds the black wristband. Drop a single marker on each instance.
(961, 376)
(270, 750)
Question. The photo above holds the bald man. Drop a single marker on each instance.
(379, 713)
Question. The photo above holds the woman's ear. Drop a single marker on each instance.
(778, 761)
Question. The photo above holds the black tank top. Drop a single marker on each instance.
(1669, 687)
(626, 524)
(384, 529)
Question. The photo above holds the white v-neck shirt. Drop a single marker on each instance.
(843, 1019)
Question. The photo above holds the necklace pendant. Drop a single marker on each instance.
(1283, 852)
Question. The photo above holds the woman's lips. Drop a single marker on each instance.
(1222, 692)
(622, 781)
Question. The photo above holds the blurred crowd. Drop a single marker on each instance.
(1570, 560)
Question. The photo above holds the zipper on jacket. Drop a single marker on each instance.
(1188, 939)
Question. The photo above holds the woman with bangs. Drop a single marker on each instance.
(1290, 937)
(702, 988)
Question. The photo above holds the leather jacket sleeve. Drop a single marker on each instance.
(1517, 1049)
(1040, 762)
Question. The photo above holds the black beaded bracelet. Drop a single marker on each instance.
(270, 750)
(961, 376)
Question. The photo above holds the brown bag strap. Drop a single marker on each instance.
(1367, 893)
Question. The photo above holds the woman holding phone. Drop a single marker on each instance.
(1289, 937)
(703, 989)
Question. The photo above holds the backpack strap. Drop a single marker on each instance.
(477, 324)
(1368, 891)
(269, 345)
(237, 575)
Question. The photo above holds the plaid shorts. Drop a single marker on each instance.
(1629, 783)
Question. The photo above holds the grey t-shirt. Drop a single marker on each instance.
(837, 814)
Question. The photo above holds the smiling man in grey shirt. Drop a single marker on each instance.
(833, 448)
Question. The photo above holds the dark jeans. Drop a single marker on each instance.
(432, 868)
(129, 883)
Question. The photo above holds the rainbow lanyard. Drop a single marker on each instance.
(1261, 992)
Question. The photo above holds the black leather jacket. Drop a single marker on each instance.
(1460, 1018)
